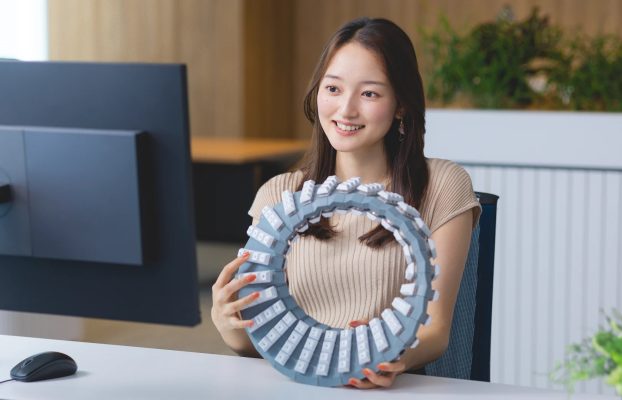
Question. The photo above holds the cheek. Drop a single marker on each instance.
(382, 114)
(325, 105)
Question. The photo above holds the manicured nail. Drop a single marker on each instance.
(353, 381)
(250, 323)
(250, 278)
(246, 254)
(382, 367)
(254, 295)
(366, 371)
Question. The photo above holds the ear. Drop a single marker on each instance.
(399, 113)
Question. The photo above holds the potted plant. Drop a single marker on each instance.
(596, 356)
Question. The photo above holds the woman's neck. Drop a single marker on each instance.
(371, 166)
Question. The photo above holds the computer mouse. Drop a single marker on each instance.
(48, 365)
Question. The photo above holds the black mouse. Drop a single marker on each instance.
(48, 365)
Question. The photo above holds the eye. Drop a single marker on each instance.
(332, 89)
(370, 94)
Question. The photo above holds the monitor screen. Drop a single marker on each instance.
(96, 206)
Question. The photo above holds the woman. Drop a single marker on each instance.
(366, 104)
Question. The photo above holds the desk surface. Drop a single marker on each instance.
(121, 372)
(238, 151)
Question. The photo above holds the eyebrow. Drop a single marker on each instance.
(365, 82)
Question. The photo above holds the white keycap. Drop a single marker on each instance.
(402, 306)
(330, 336)
(415, 344)
(289, 205)
(273, 218)
(345, 349)
(264, 295)
(408, 289)
(392, 322)
(407, 254)
(410, 272)
(435, 295)
(261, 236)
(322, 369)
(305, 355)
(437, 271)
(362, 344)
(280, 327)
(301, 366)
(316, 219)
(288, 347)
(370, 189)
(316, 333)
(273, 335)
(328, 186)
(281, 358)
(432, 247)
(428, 320)
(380, 340)
(289, 319)
(349, 186)
(372, 216)
(390, 197)
(327, 214)
(341, 211)
(278, 307)
(256, 257)
(387, 225)
(260, 276)
(308, 189)
(265, 344)
(356, 211)
(303, 228)
(267, 315)
(400, 239)
(408, 210)
(302, 327)
(421, 225)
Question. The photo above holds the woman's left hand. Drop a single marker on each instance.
(388, 371)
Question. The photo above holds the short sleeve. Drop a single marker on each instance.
(450, 193)
(270, 192)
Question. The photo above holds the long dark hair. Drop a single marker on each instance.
(406, 161)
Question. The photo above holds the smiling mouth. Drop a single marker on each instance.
(348, 128)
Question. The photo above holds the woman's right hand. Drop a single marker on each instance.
(225, 305)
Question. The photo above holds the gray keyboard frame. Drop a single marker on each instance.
(294, 341)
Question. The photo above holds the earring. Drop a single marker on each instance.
(402, 133)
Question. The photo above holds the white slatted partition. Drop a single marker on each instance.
(558, 258)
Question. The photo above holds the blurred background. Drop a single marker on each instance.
(249, 62)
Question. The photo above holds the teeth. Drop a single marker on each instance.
(348, 127)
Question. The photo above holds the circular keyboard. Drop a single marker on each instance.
(299, 346)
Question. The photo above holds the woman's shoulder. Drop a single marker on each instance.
(270, 192)
(285, 181)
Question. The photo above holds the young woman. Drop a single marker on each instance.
(366, 104)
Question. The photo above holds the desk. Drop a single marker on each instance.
(121, 372)
(227, 174)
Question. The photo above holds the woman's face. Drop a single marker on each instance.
(356, 103)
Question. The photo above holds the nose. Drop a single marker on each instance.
(349, 106)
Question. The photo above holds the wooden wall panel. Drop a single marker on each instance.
(206, 35)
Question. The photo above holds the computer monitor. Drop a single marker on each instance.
(96, 206)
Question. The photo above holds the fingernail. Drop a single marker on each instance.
(251, 278)
(246, 254)
(382, 367)
(254, 295)
(353, 381)
(250, 323)
(366, 371)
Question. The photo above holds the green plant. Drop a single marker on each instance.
(596, 356)
(589, 75)
(519, 64)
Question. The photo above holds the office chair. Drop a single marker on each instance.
(468, 353)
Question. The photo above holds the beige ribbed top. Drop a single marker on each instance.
(340, 280)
